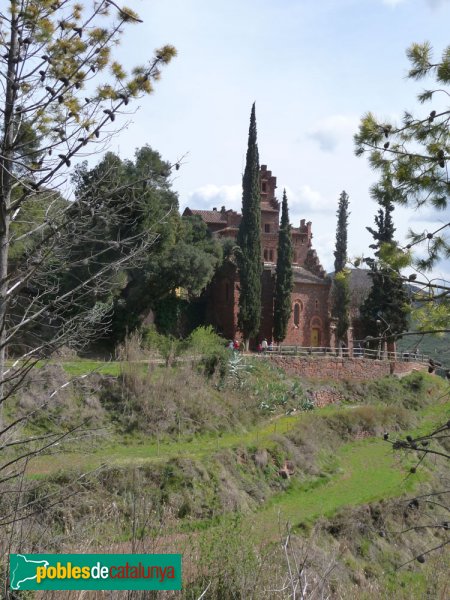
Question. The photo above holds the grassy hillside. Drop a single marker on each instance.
(182, 459)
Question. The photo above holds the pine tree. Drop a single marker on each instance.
(284, 281)
(341, 291)
(413, 155)
(384, 234)
(387, 305)
(249, 241)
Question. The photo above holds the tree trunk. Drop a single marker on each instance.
(6, 166)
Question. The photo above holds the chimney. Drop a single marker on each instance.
(215, 208)
(222, 210)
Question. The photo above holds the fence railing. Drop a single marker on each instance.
(326, 352)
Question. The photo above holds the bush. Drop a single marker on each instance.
(206, 345)
(204, 341)
(168, 347)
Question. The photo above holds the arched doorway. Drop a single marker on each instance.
(316, 332)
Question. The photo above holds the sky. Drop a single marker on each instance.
(313, 67)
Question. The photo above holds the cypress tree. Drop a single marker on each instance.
(284, 277)
(387, 301)
(340, 254)
(341, 291)
(249, 241)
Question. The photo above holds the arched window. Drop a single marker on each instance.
(296, 315)
(297, 310)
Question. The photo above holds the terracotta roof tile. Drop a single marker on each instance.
(210, 216)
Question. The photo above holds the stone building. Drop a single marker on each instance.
(309, 324)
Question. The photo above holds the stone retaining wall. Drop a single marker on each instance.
(356, 369)
(325, 396)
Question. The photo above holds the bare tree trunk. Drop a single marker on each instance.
(5, 190)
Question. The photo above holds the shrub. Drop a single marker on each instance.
(204, 341)
(168, 347)
(206, 345)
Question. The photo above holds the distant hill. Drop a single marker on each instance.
(437, 347)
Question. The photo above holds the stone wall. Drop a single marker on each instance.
(356, 369)
(325, 396)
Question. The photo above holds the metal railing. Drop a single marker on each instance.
(327, 352)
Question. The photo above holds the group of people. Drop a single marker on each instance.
(235, 345)
(262, 347)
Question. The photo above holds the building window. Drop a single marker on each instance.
(296, 314)
(266, 228)
(294, 258)
(316, 304)
(271, 255)
(266, 254)
(264, 186)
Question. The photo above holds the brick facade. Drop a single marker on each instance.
(309, 324)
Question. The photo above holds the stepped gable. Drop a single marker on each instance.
(225, 223)
(269, 203)
(312, 263)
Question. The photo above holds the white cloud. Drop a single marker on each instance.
(306, 200)
(334, 130)
(210, 195)
(321, 244)
(302, 201)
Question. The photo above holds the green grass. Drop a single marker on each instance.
(79, 367)
(76, 368)
(142, 451)
(138, 451)
(368, 472)
(358, 473)
(362, 471)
